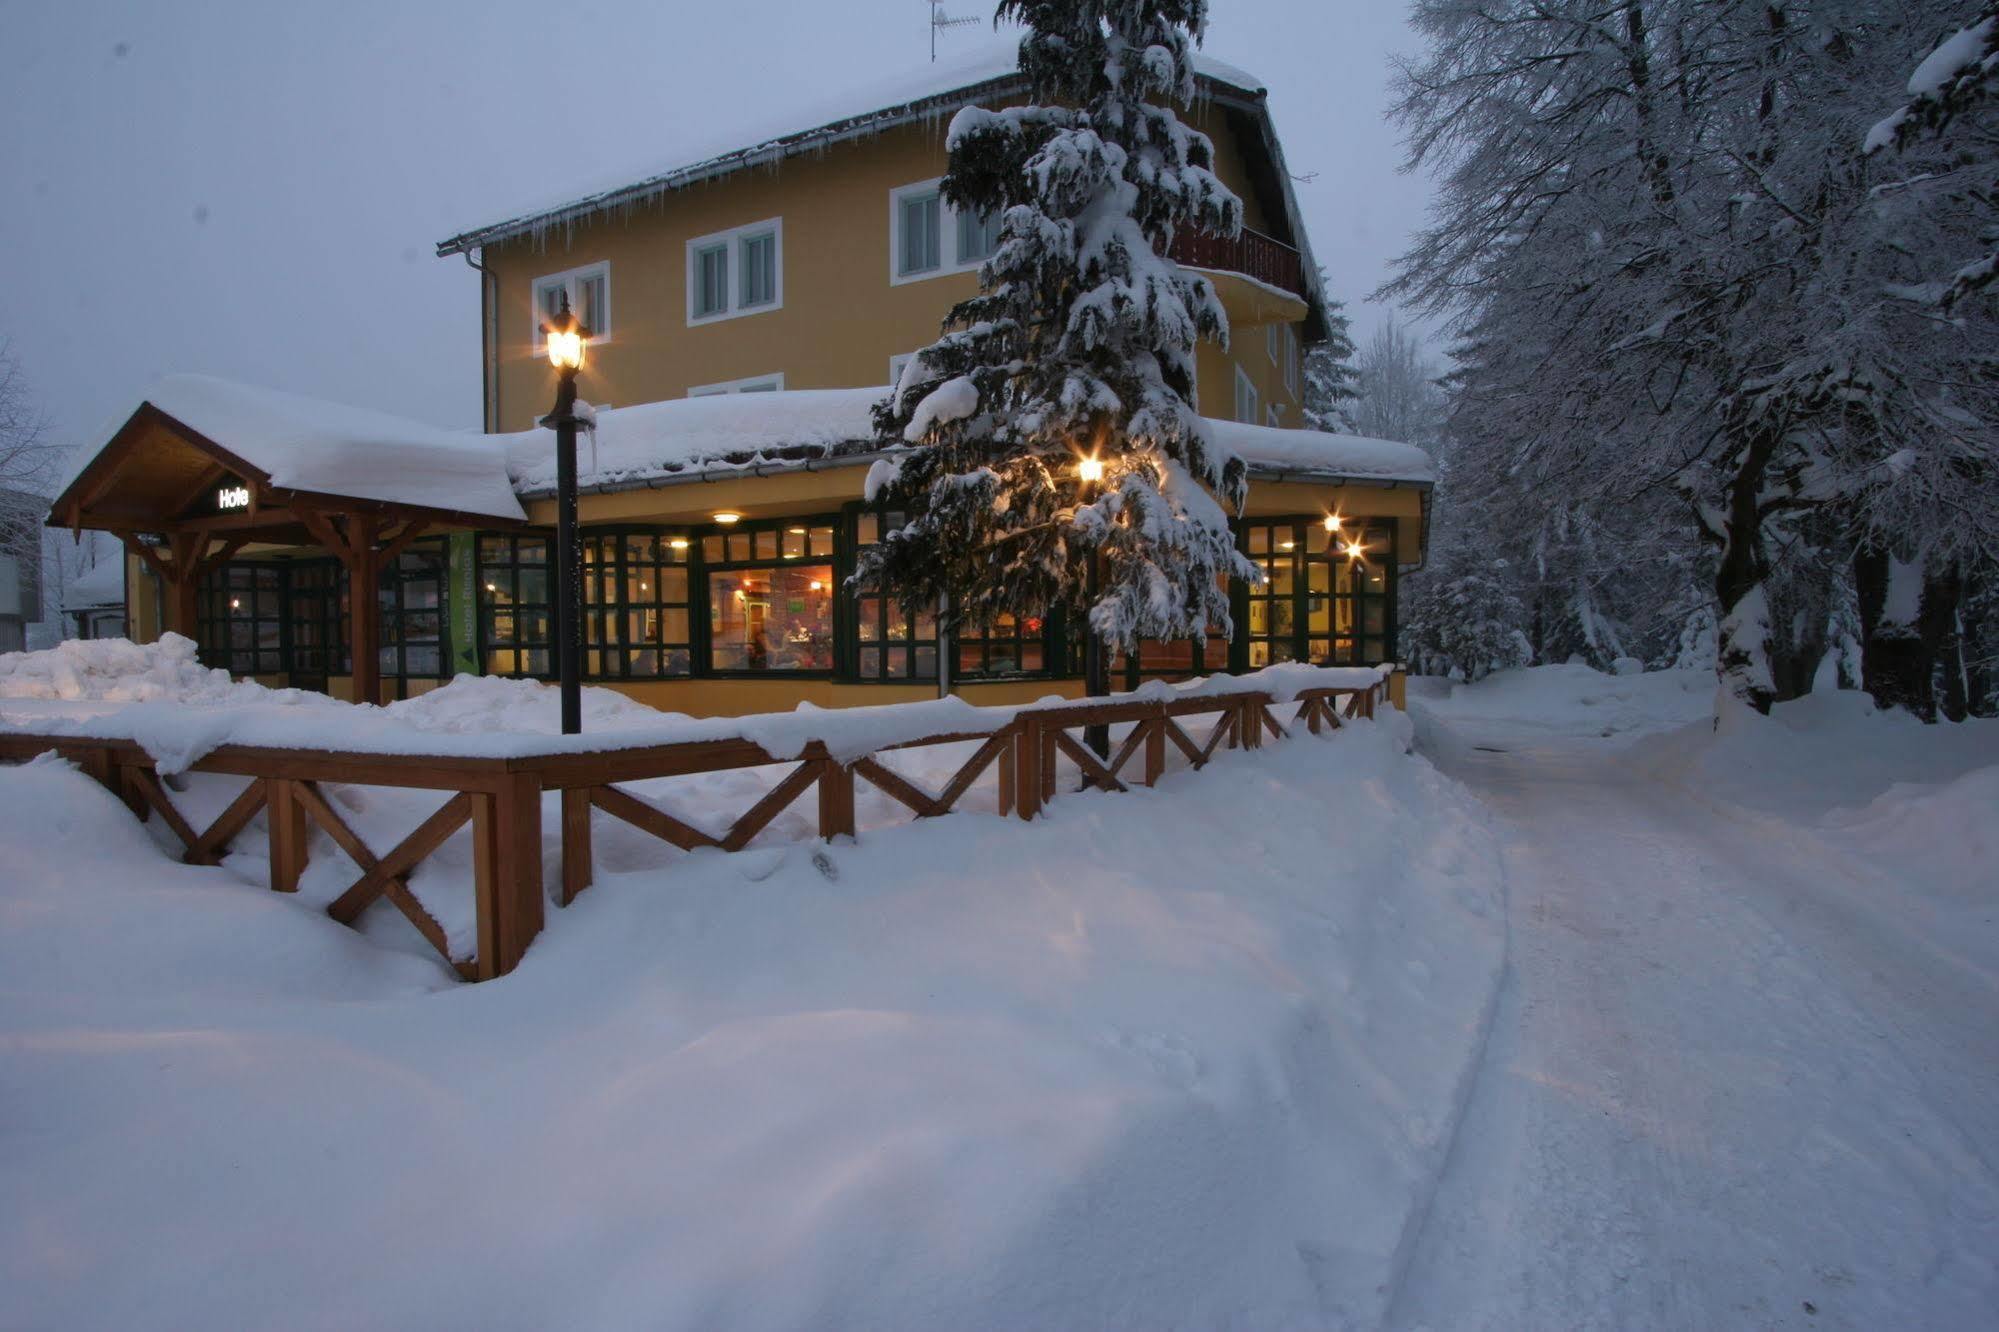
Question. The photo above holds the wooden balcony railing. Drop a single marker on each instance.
(1253, 254)
(502, 798)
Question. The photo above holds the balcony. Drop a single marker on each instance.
(1253, 255)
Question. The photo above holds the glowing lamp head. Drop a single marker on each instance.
(1356, 551)
(728, 518)
(1090, 470)
(1332, 522)
(565, 336)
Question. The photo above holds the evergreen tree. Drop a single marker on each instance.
(1331, 378)
(1080, 345)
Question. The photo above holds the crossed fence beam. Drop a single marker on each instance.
(501, 798)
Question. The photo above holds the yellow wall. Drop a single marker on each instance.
(842, 318)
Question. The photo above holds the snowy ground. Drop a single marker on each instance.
(1745, 1069)
(1189, 1057)
(1671, 1029)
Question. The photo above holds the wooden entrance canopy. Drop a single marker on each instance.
(184, 503)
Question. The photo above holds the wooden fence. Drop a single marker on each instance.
(502, 797)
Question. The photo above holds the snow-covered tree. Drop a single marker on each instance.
(1399, 395)
(27, 464)
(1079, 347)
(1330, 376)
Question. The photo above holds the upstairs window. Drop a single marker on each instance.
(755, 384)
(589, 293)
(1292, 360)
(1248, 405)
(928, 237)
(736, 272)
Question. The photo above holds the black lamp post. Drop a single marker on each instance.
(565, 337)
(1096, 664)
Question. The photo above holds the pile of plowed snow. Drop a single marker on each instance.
(116, 670)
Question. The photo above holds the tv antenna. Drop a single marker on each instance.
(940, 20)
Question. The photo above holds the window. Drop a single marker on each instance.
(754, 384)
(1009, 645)
(928, 237)
(637, 615)
(770, 596)
(589, 293)
(411, 597)
(318, 630)
(922, 249)
(1319, 602)
(516, 622)
(1273, 416)
(895, 367)
(240, 620)
(1293, 367)
(978, 236)
(1247, 406)
(889, 643)
(1270, 341)
(753, 255)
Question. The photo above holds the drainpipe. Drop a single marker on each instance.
(489, 340)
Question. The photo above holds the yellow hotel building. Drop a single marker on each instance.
(748, 310)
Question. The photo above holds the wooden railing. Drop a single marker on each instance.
(501, 798)
(1251, 253)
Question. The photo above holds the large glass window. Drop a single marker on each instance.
(318, 630)
(639, 623)
(1320, 602)
(516, 622)
(1006, 645)
(771, 619)
(411, 596)
(241, 618)
(889, 643)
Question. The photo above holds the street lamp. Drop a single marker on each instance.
(565, 336)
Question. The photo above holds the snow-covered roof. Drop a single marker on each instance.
(328, 448)
(102, 584)
(850, 114)
(756, 432)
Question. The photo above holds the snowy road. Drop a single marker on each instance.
(1723, 1089)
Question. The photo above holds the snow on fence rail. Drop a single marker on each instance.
(501, 796)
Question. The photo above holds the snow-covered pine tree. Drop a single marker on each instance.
(1331, 388)
(1080, 344)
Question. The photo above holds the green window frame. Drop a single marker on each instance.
(240, 618)
(880, 641)
(1317, 603)
(638, 604)
(758, 564)
(516, 582)
(415, 637)
(315, 621)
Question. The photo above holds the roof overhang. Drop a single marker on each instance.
(1271, 177)
(159, 474)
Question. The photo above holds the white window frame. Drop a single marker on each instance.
(569, 278)
(732, 239)
(1270, 341)
(948, 261)
(751, 384)
(1293, 360)
(1273, 416)
(1245, 385)
(895, 365)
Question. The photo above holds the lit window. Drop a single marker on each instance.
(589, 292)
(736, 272)
(1248, 405)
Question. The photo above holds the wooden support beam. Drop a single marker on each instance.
(209, 847)
(396, 545)
(775, 802)
(1155, 750)
(1093, 770)
(506, 861)
(836, 800)
(1027, 767)
(894, 784)
(148, 786)
(407, 855)
(286, 817)
(364, 610)
(649, 818)
(577, 867)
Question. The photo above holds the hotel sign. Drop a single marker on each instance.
(232, 497)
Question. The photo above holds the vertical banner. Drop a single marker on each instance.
(464, 603)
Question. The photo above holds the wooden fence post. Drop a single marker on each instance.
(1027, 767)
(506, 869)
(836, 799)
(1155, 748)
(578, 868)
(286, 818)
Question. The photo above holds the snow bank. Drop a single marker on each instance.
(118, 670)
(485, 717)
(1185, 1057)
(1573, 699)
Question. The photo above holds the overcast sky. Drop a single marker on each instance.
(253, 188)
